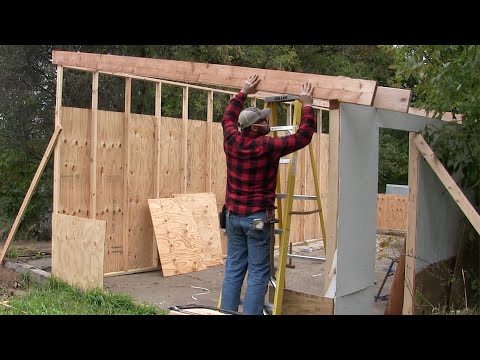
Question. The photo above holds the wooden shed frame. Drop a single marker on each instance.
(358, 108)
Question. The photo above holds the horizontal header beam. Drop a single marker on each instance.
(341, 88)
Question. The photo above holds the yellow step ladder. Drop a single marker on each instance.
(285, 215)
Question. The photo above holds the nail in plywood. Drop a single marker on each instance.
(78, 250)
(177, 235)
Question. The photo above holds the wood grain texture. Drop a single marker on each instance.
(343, 89)
(78, 250)
(177, 235)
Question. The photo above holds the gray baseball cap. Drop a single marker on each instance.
(251, 115)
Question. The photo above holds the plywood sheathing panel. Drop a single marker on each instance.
(218, 166)
(325, 87)
(141, 187)
(204, 207)
(171, 165)
(110, 185)
(74, 160)
(197, 150)
(77, 250)
(392, 212)
(177, 235)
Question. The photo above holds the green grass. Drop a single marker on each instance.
(54, 297)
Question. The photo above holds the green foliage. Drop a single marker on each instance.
(54, 297)
(393, 158)
(447, 79)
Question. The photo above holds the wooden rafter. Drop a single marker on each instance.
(392, 99)
(325, 87)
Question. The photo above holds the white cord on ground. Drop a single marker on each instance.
(202, 293)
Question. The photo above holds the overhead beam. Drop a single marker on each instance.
(392, 99)
(325, 87)
(448, 116)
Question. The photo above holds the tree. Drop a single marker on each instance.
(447, 78)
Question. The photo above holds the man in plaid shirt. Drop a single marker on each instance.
(252, 166)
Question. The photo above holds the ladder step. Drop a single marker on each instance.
(284, 161)
(304, 212)
(297, 197)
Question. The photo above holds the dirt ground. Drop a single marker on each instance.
(203, 287)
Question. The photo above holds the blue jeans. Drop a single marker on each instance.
(247, 249)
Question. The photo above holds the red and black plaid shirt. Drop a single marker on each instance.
(252, 159)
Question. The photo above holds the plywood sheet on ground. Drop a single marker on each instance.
(204, 208)
(177, 236)
(78, 250)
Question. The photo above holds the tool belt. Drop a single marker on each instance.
(270, 215)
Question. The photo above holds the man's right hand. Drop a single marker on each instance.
(250, 85)
(306, 94)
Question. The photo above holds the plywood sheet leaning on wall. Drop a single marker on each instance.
(77, 250)
(177, 236)
(204, 207)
